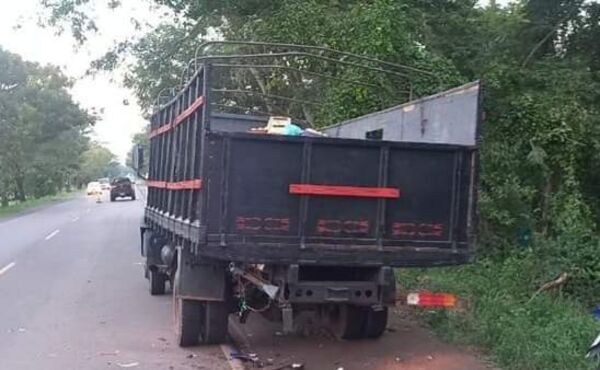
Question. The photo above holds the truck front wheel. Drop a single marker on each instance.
(157, 282)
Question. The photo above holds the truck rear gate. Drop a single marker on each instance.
(274, 199)
(303, 222)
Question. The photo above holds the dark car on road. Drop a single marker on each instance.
(121, 187)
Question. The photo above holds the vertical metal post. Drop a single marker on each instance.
(202, 198)
(304, 199)
(382, 182)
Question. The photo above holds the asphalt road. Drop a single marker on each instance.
(73, 296)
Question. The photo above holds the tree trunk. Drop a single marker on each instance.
(20, 190)
(546, 195)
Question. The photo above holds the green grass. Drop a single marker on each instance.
(19, 207)
(498, 314)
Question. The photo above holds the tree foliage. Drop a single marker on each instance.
(539, 59)
(43, 133)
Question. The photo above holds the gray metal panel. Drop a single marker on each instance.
(226, 122)
(450, 117)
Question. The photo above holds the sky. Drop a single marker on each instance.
(103, 92)
(118, 122)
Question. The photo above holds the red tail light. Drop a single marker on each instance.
(431, 300)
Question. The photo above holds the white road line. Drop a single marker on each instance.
(52, 234)
(75, 219)
(6, 268)
(233, 363)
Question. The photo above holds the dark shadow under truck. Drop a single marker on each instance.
(281, 225)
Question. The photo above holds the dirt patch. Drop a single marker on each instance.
(405, 345)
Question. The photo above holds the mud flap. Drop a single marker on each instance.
(201, 280)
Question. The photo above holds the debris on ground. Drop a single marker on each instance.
(128, 365)
(246, 357)
(287, 366)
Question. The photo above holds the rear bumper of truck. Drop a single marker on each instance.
(334, 255)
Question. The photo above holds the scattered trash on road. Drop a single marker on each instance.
(114, 353)
(128, 365)
(286, 366)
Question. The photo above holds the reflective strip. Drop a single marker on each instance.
(177, 185)
(344, 191)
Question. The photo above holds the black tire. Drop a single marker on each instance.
(376, 322)
(133, 197)
(188, 321)
(158, 282)
(187, 317)
(348, 321)
(147, 235)
(112, 199)
(214, 322)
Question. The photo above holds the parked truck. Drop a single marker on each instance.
(285, 226)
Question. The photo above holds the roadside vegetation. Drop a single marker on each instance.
(16, 207)
(540, 156)
(44, 145)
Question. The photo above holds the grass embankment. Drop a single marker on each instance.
(501, 314)
(18, 207)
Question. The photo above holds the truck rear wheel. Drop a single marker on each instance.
(188, 322)
(376, 322)
(214, 322)
(187, 317)
(347, 321)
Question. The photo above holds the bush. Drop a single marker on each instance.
(500, 312)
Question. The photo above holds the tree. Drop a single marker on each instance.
(539, 60)
(97, 162)
(42, 131)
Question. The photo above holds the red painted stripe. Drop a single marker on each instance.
(161, 130)
(177, 185)
(180, 118)
(344, 191)
(189, 111)
(157, 184)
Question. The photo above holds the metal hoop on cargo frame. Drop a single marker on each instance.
(193, 65)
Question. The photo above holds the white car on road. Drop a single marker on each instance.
(93, 188)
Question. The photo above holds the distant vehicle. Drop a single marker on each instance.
(93, 187)
(121, 187)
(104, 183)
